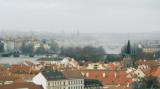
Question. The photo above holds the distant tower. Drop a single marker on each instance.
(127, 59)
(128, 49)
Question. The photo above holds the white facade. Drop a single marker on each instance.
(151, 50)
(139, 73)
(40, 80)
(95, 66)
(6, 82)
(58, 83)
(66, 62)
(66, 84)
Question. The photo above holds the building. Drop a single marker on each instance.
(136, 73)
(157, 74)
(96, 66)
(5, 79)
(109, 78)
(149, 63)
(151, 49)
(59, 80)
(65, 62)
(23, 72)
(128, 61)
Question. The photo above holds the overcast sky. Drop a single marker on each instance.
(82, 15)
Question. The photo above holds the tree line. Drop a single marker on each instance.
(87, 53)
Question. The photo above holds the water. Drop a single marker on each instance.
(16, 60)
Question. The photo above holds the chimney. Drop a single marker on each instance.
(87, 74)
(127, 84)
(115, 74)
(104, 75)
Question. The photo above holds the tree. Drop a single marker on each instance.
(112, 58)
(157, 54)
(147, 83)
(28, 49)
(86, 53)
(1, 47)
(137, 52)
(53, 46)
(16, 53)
(6, 54)
(40, 50)
(132, 50)
(92, 84)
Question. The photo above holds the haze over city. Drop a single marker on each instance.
(79, 44)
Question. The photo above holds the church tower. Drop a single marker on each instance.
(128, 49)
(127, 58)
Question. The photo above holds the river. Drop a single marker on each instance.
(16, 60)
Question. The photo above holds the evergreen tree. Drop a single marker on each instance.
(28, 49)
(1, 47)
(16, 53)
(53, 46)
(40, 50)
(92, 84)
(89, 53)
(147, 83)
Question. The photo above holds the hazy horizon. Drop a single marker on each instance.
(117, 16)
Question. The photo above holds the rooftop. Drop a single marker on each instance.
(108, 77)
(156, 73)
(72, 73)
(21, 85)
(53, 75)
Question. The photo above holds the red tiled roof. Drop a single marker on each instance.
(27, 85)
(72, 73)
(148, 62)
(118, 87)
(22, 69)
(29, 62)
(4, 71)
(108, 77)
(156, 73)
(8, 78)
(113, 66)
(147, 72)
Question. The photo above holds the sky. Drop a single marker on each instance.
(80, 15)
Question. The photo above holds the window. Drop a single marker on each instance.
(48, 83)
(53, 83)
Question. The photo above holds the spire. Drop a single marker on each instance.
(128, 49)
(127, 60)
